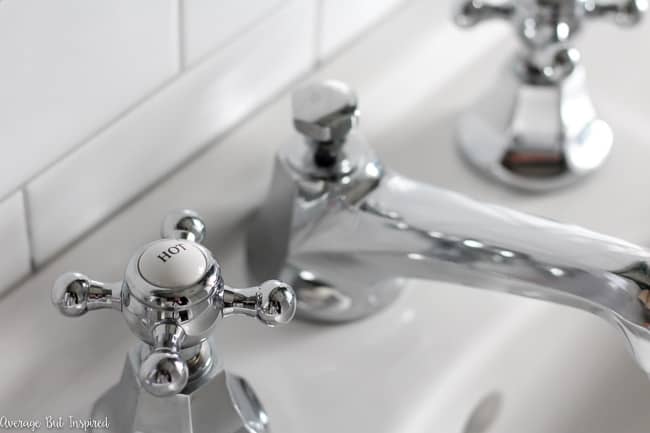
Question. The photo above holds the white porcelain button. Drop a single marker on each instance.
(172, 263)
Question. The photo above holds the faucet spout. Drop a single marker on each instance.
(347, 244)
(346, 233)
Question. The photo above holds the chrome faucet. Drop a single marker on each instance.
(172, 297)
(537, 128)
(346, 232)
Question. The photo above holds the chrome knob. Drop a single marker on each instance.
(325, 112)
(272, 303)
(172, 296)
(74, 294)
(183, 224)
(163, 372)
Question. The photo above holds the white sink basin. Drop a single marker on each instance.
(425, 363)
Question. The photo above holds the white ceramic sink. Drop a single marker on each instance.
(425, 363)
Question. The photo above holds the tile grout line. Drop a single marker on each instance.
(318, 30)
(134, 106)
(90, 137)
(167, 83)
(248, 28)
(385, 17)
(131, 108)
(183, 163)
(28, 229)
(180, 30)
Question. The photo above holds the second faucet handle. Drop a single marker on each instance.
(544, 22)
(623, 12)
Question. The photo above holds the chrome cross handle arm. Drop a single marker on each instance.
(272, 302)
(623, 12)
(471, 12)
(163, 371)
(550, 24)
(75, 294)
(172, 297)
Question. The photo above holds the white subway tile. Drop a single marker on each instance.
(69, 67)
(15, 261)
(84, 188)
(342, 20)
(207, 24)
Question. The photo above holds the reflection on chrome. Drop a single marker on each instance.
(537, 128)
(346, 247)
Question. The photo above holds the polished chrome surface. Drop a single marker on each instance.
(537, 128)
(183, 224)
(176, 359)
(346, 244)
(75, 294)
(163, 372)
(217, 401)
(325, 114)
(272, 303)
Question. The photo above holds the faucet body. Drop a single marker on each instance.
(213, 400)
(347, 240)
(537, 128)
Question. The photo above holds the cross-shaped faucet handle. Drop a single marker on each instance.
(172, 296)
(543, 22)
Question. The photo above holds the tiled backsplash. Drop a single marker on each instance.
(99, 100)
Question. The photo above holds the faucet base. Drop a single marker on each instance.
(320, 300)
(545, 135)
(215, 401)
